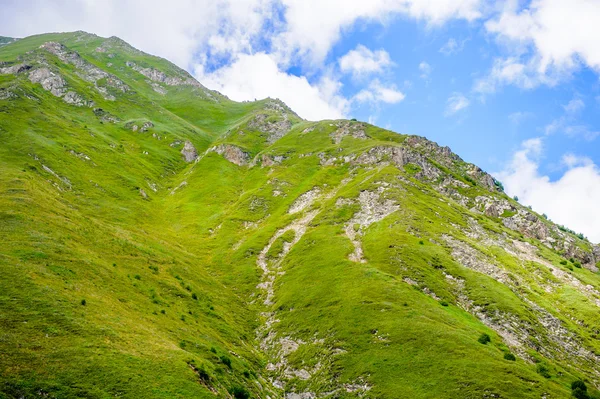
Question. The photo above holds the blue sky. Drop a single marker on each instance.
(512, 86)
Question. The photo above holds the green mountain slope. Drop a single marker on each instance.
(160, 240)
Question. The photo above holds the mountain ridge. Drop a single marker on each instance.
(200, 247)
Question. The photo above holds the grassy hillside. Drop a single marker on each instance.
(283, 258)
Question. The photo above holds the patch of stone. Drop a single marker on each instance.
(87, 71)
(15, 69)
(50, 81)
(105, 116)
(304, 200)
(189, 152)
(275, 126)
(373, 208)
(398, 156)
(232, 153)
(348, 129)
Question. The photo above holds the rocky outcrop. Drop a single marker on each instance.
(105, 116)
(398, 156)
(103, 81)
(49, 80)
(13, 69)
(348, 128)
(373, 208)
(158, 76)
(275, 126)
(232, 153)
(189, 152)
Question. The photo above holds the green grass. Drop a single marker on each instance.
(105, 293)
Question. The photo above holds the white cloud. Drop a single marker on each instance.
(313, 26)
(547, 42)
(574, 106)
(456, 102)
(568, 122)
(425, 70)
(257, 76)
(378, 93)
(361, 61)
(571, 200)
(452, 46)
(215, 37)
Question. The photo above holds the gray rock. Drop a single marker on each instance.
(189, 152)
(49, 80)
(232, 153)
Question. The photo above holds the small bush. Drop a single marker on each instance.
(421, 242)
(516, 198)
(570, 267)
(563, 262)
(443, 303)
(572, 260)
(239, 392)
(213, 349)
(578, 393)
(543, 370)
(578, 384)
(225, 360)
(484, 339)
(510, 356)
(137, 277)
(246, 374)
(194, 296)
(577, 265)
(163, 311)
(83, 302)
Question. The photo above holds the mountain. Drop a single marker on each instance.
(162, 241)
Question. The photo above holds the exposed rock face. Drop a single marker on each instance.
(304, 201)
(147, 125)
(271, 160)
(87, 71)
(49, 80)
(189, 152)
(348, 128)
(14, 69)
(105, 116)
(158, 76)
(373, 208)
(398, 156)
(232, 153)
(276, 128)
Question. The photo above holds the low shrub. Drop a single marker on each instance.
(239, 392)
(225, 360)
(543, 370)
(510, 356)
(484, 339)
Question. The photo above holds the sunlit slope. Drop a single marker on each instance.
(160, 240)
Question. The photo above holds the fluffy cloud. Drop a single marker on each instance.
(456, 102)
(425, 70)
(216, 38)
(361, 61)
(568, 122)
(547, 41)
(313, 26)
(451, 47)
(570, 200)
(257, 76)
(378, 93)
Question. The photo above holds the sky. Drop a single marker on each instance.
(512, 86)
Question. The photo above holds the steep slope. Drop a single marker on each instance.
(161, 240)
